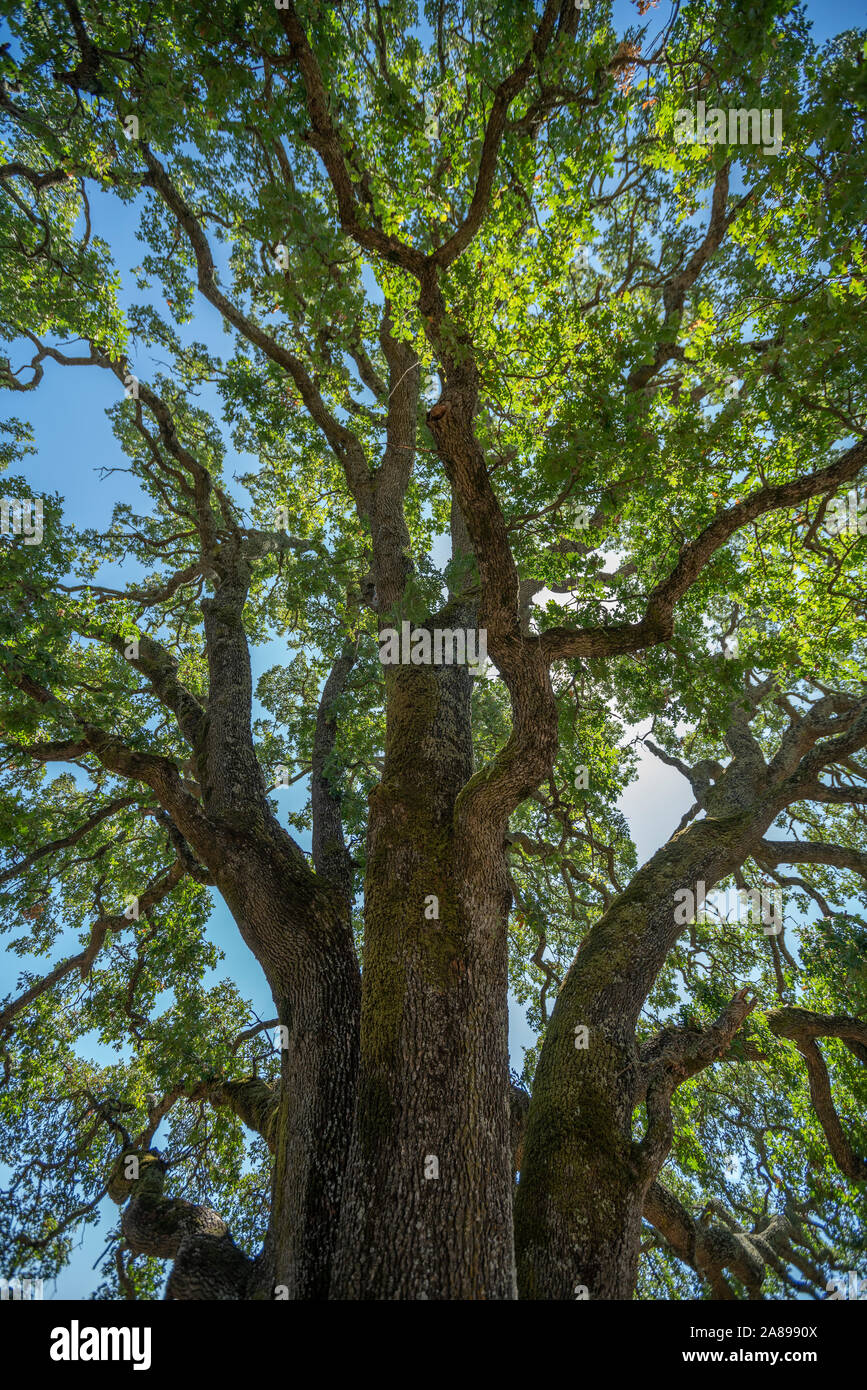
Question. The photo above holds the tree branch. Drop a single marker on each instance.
(802, 1027)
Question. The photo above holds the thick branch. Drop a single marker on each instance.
(658, 623)
(208, 1265)
(803, 1027)
(670, 1059)
(331, 859)
(711, 1249)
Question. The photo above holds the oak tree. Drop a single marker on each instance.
(473, 284)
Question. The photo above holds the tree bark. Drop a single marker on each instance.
(301, 933)
(585, 1177)
(428, 1204)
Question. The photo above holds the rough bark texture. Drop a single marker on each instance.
(300, 932)
(427, 1212)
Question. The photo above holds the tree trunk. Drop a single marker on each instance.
(580, 1196)
(428, 1206)
(584, 1178)
(313, 973)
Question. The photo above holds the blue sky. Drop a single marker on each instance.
(74, 441)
